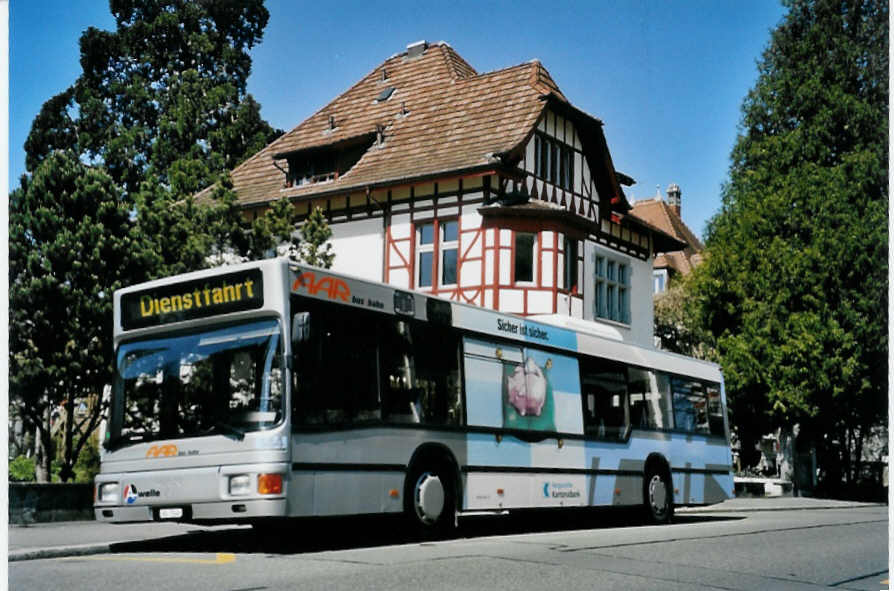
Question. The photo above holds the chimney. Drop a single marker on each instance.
(673, 198)
(416, 49)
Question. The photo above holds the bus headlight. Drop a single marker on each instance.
(108, 492)
(240, 485)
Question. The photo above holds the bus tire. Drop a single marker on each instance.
(658, 494)
(430, 499)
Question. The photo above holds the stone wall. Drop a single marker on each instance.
(31, 502)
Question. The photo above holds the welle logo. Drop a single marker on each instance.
(131, 494)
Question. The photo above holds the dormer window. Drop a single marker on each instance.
(326, 163)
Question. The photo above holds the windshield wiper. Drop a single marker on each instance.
(228, 429)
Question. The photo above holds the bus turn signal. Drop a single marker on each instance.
(269, 484)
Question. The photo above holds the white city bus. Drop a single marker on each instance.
(269, 390)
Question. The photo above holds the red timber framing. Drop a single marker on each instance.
(448, 201)
(481, 249)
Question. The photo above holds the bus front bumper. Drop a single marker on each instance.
(232, 511)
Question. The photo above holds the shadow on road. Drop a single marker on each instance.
(316, 535)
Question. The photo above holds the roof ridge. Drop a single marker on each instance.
(542, 81)
(449, 54)
(674, 222)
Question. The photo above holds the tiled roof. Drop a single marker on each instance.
(661, 215)
(456, 120)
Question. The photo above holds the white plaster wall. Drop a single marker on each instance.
(641, 310)
(540, 302)
(470, 274)
(512, 300)
(359, 248)
(641, 327)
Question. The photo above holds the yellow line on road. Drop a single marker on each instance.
(221, 558)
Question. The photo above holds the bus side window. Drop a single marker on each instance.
(437, 374)
(715, 410)
(650, 406)
(690, 405)
(420, 374)
(335, 370)
(400, 391)
(604, 389)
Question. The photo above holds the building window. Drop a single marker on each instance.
(524, 257)
(425, 254)
(571, 265)
(612, 290)
(319, 165)
(659, 281)
(449, 245)
(553, 161)
(432, 237)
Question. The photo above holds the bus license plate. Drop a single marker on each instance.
(170, 513)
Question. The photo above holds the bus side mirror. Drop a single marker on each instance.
(300, 327)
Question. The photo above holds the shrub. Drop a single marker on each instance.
(21, 469)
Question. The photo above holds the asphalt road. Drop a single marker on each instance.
(790, 549)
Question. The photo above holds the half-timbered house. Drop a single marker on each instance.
(491, 189)
(666, 216)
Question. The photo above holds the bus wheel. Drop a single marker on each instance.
(430, 502)
(658, 496)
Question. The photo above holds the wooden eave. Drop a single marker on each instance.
(661, 240)
(393, 183)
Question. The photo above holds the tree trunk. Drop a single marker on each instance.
(67, 443)
(43, 454)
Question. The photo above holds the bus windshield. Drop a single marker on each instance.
(223, 380)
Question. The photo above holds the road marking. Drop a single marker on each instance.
(220, 558)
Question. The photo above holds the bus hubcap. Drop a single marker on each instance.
(429, 498)
(658, 495)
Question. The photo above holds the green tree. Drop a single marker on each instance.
(676, 322)
(162, 104)
(794, 284)
(164, 93)
(159, 112)
(72, 242)
(316, 249)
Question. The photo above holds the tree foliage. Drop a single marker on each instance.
(316, 250)
(159, 112)
(676, 322)
(165, 94)
(794, 284)
(72, 242)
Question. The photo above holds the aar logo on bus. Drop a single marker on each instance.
(329, 286)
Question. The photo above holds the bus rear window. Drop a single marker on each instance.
(697, 406)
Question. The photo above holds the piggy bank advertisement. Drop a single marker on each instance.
(528, 401)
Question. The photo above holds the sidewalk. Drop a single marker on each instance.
(80, 538)
(746, 505)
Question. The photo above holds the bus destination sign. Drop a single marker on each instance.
(189, 300)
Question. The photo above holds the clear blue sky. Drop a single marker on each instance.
(666, 78)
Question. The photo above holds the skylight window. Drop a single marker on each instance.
(385, 94)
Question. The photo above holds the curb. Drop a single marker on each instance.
(715, 509)
(60, 552)
(107, 547)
